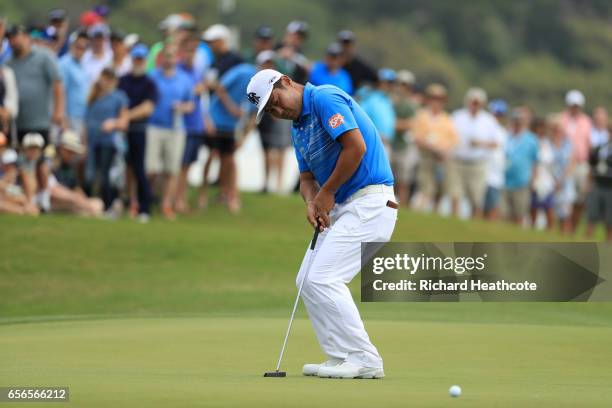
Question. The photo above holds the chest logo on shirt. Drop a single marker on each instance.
(335, 121)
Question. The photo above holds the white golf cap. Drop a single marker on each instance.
(33, 139)
(70, 140)
(574, 98)
(476, 94)
(405, 77)
(260, 87)
(265, 56)
(216, 32)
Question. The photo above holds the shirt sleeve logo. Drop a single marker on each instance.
(335, 121)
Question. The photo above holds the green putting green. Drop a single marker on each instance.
(192, 313)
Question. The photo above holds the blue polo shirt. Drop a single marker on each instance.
(194, 121)
(235, 81)
(320, 75)
(521, 158)
(170, 90)
(327, 113)
(76, 86)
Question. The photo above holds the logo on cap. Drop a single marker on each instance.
(253, 98)
(335, 121)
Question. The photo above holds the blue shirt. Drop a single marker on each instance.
(521, 157)
(194, 121)
(379, 108)
(235, 81)
(105, 107)
(320, 75)
(327, 113)
(76, 86)
(170, 90)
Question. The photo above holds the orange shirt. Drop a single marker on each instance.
(438, 130)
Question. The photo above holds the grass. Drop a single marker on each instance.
(191, 313)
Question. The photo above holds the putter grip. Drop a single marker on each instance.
(313, 243)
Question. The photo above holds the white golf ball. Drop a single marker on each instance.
(454, 391)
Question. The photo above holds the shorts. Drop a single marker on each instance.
(404, 163)
(491, 199)
(516, 203)
(164, 150)
(224, 142)
(277, 136)
(192, 148)
(599, 205)
(542, 203)
(580, 176)
(22, 132)
(467, 179)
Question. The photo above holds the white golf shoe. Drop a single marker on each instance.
(348, 370)
(313, 369)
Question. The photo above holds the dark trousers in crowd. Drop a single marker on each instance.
(136, 159)
(100, 160)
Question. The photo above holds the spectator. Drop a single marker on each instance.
(361, 72)
(226, 111)
(275, 134)
(600, 199)
(497, 162)
(166, 132)
(34, 171)
(379, 107)
(577, 126)
(478, 137)
(9, 99)
(63, 181)
(41, 95)
(600, 135)
(405, 154)
(142, 95)
(289, 52)
(76, 83)
(58, 21)
(100, 54)
(106, 118)
(121, 63)
(194, 121)
(521, 160)
(12, 199)
(330, 71)
(5, 48)
(435, 135)
(263, 40)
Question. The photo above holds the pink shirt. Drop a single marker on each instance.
(578, 130)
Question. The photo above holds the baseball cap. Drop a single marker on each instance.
(131, 39)
(101, 10)
(265, 56)
(346, 36)
(9, 156)
(476, 94)
(57, 14)
(260, 87)
(98, 30)
(139, 51)
(436, 91)
(387, 75)
(16, 29)
(70, 140)
(405, 77)
(171, 22)
(498, 107)
(89, 18)
(264, 32)
(216, 32)
(574, 98)
(33, 139)
(334, 49)
(117, 35)
(299, 27)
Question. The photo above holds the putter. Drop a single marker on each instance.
(313, 243)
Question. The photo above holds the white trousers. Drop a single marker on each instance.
(332, 311)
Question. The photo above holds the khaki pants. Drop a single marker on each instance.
(164, 150)
(515, 203)
(467, 179)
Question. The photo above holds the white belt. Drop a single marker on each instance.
(371, 189)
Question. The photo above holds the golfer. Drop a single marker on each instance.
(347, 184)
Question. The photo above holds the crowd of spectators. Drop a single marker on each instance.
(94, 121)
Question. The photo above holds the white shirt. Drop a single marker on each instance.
(496, 171)
(599, 137)
(482, 128)
(94, 65)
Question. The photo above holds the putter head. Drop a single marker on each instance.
(275, 374)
